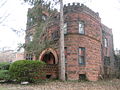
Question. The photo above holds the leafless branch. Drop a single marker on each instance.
(1, 5)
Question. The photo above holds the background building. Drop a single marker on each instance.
(11, 56)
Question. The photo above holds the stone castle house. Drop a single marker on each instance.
(88, 43)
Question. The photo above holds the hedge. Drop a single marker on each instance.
(4, 75)
(26, 70)
(4, 71)
(4, 65)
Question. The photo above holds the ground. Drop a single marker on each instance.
(70, 85)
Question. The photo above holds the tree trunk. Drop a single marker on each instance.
(62, 56)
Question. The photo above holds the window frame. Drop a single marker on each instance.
(105, 42)
(65, 52)
(29, 57)
(81, 27)
(83, 56)
(107, 61)
(44, 17)
(65, 27)
(30, 38)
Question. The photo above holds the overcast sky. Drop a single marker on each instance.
(16, 13)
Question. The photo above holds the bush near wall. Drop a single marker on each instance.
(4, 65)
(4, 75)
(4, 71)
(27, 70)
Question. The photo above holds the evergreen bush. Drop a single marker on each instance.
(4, 65)
(27, 70)
(4, 71)
(4, 75)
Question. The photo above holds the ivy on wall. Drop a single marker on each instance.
(35, 17)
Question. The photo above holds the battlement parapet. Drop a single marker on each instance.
(77, 7)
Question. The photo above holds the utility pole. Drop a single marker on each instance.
(62, 55)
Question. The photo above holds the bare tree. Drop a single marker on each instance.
(5, 15)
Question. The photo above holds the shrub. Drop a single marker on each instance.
(4, 65)
(4, 71)
(26, 70)
(4, 75)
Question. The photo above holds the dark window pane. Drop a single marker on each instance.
(106, 60)
(81, 56)
(65, 54)
(81, 60)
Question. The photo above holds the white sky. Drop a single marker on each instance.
(109, 11)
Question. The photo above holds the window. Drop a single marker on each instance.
(55, 35)
(31, 38)
(81, 56)
(44, 17)
(29, 57)
(65, 54)
(82, 77)
(105, 42)
(106, 60)
(31, 19)
(65, 28)
(81, 27)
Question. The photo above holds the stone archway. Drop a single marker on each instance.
(49, 56)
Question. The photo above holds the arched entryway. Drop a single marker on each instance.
(49, 56)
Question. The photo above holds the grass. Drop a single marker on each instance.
(67, 85)
(1, 88)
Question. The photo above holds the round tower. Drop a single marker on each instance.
(82, 42)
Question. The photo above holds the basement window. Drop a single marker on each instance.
(48, 76)
(82, 77)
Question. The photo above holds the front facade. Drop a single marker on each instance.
(88, 43)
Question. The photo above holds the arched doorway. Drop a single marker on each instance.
(49, 56)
